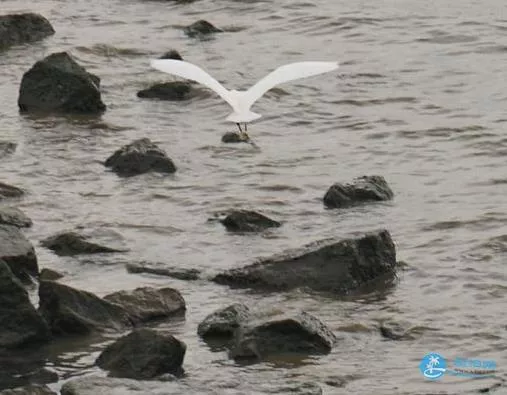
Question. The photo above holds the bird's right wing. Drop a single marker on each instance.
(289, 72)
(190, 71)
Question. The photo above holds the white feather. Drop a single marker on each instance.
(241, 101)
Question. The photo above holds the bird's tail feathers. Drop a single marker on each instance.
(243, 117)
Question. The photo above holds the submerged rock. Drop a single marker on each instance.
(18, 253)
(59, 84)
(330, 266)
(146, 303)
(71, 311)
(71, 243)
(6, 148)
(15, 217)
(283, 334)
(49, 274)
(143, 354)
(139, 157)
(362, 189)
(174, 90)
(171, 54)
(21, 324)
(9, 191)
(32, 389)
(248, 221)
(180, 274)
(235, 137)
(224, 322)
(201, 28)
(16, 29)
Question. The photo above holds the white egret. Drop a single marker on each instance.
(241, 101)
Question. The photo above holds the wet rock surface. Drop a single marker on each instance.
(248, 221)
(201, 28)
(15, 217)
(333, 266)
(174, 90)
(49, 274)
(143, 354)
(235, 137)
(59, 84)
(146, 303)
(9, 191)
(138, 157)
(32, 389)
(171, 54)
(72, 311)
(360, 190)
(7, 148)
(72, 243)
(18, 253)
(283, 334)
(16, 29)
(224, 322)
(178, 273)
(21, 324)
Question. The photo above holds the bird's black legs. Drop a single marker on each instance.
(245, 128)
(239, 126)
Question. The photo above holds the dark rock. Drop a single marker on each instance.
(16, 29)
(397, 331)
(71, 243)
(248, 221)
(25, 365)
(362, 189)
(49, 274)
(15, 217)
(329, 266)
(235, 137)
(180, 274)
(9, 191)
(139, 157)
(224, 322)
(32, 389)
(145, 303)
(201, 28)
(143, 354)
(21, 324)
(58, 84)
(172, 54)
(175, 90)
(284, 334)
(70, 311)
(7, 147)
(18, 253)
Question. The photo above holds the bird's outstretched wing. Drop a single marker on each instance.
(192, 72)
(288, 72)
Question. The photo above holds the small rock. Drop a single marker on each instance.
(362, 189)
(224, 322)
(146, 303)
(14, 216)
(71, 243)
(299, 389)
(7, 147)
(174, 90)
(201, 28)
(9, 191)
(284, 334)
(71, 311)
(49, 274)
(59, 84)
(396, 331)
(16, 29)
(172, 54)
(143, 354)
(32, 389)
(21, 324)
(139, 157)
(180, 274)
(337, 266)
(235, 137)
(18, 253)
(248, 221)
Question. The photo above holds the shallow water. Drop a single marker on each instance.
(419, 98)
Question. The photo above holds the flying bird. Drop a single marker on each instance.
(242, 101)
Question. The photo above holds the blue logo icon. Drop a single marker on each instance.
(433, 366)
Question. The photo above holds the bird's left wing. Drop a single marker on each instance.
(192, 72)
(288, 72)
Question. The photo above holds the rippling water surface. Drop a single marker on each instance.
(420, 98)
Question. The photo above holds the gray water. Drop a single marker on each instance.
(419, 98)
